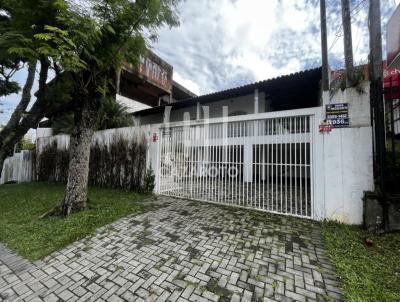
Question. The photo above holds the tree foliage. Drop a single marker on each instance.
(111, 115)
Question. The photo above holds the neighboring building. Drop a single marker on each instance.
(149, 85)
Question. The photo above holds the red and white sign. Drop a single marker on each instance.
(391, 77)
(325, 127)
(155, 137)
(393, 39)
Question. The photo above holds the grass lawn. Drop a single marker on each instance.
(34, 238)
(368, 273)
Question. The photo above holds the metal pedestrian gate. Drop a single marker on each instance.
(262, 164)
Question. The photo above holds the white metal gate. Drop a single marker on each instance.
(263, 164)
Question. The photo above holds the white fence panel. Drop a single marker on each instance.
(20, 167)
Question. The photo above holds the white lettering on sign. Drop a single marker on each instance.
(153, 71)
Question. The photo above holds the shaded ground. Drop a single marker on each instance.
(183, 250)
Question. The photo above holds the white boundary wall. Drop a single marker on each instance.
(19, 167)
(348, 159)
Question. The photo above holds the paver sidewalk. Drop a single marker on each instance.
(182, 251)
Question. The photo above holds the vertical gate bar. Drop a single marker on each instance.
(307, 165)
(291, 164)
(166, 163)
(192, 159)
(281, 161)
(241, 184)
(207, 163)
(285, 162)
(172, 160)
(251, 162)
(227, 154)
(177, 161)
(246, 166)
(267, 162)
(212, 170)
(202, 160)
(295, 163)
(185, 158)
(276, 164)
(312, 167)
(222, 160)
(272, 167)
(229, 162)
(262, 163)
(236, 163)
(301, 163)
(182, 165)
(199, 141)
(227, 149)
(174, 141)
(190, 164)
(219, 161)
(214, 178)
(260, 140)
(160, 162)
(169, 156)
(195, 162)
(232, 165)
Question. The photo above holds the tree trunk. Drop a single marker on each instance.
(15, 132)
(348, 43)
(78, 172)
(22, 105)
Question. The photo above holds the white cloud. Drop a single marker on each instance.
(226, 43)
(189, 84)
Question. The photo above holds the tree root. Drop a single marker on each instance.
(56, 211)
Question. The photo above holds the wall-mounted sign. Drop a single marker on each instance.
(325, 127)
(155, 137)
(338, 115)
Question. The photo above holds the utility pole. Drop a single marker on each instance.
(376, 95)
(348, 44)
(324, 48)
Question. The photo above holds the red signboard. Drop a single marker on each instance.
(325, 127)
(156, 71)
(155, 137)
(393, 39)
(391, 78)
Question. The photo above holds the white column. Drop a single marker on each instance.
(256, 106)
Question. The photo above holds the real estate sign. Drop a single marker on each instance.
(338, 115)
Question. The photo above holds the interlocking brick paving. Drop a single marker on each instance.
(182, 251)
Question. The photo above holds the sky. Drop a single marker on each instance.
(228, 43)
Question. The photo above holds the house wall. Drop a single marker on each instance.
(131, 105)
(242, 104)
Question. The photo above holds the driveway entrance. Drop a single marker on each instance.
(183, 251)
